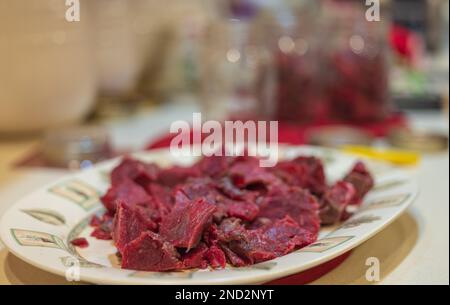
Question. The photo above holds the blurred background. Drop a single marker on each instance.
(73, 93)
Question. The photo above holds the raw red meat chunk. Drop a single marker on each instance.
(216, 257)
(335, 201)
(149, 252)
(176, 175)
(125, 190)
(221, 210)
(214, 166)
(361, 179)
(162, 199)
(130, 169)
(80, 242)
(245, 247)
(298, 203)
(201, 188)
(103, 226)
(304, 172)
(249, 175)
(129, 223)
(184, 226)
(209, 190)
(243, 209)
(196, 258)
(229, 189)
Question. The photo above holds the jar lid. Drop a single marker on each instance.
(337, 136)
(422, 141)
(79, 144)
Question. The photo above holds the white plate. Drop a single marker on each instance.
(38, 228)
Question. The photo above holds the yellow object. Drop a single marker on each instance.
(399, 157)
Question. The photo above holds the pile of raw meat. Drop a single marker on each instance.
(221, 210)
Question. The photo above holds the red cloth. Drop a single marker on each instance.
(405, 43)
(299, 134)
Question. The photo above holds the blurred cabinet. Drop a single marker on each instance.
(47, 74)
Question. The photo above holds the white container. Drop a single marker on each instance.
(115, 50)
(47, 75)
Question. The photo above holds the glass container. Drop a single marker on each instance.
(237, 75)
(355, 61)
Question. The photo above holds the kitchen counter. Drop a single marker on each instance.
(412, 250)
